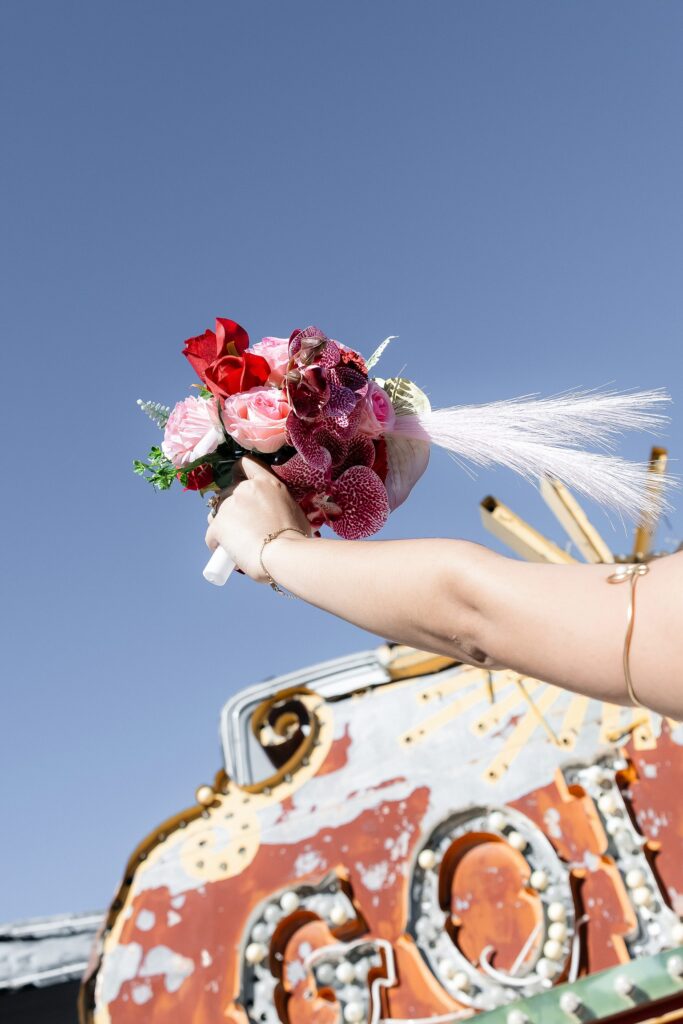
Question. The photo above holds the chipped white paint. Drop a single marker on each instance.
(308, 862)
(551, 820)
(141, 993)
(145, 920)
(295, 972)
(120, 966)
(175, 968)
(374, 877)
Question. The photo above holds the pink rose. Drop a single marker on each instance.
(276, 353)
(257, 418)
(377, 413)
(191, 431)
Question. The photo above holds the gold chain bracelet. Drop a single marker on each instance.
(632, 573)
(271, 536)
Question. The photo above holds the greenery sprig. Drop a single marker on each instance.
(158, 470)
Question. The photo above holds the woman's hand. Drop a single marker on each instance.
(258, 505)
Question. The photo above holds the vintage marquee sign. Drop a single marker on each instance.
(426, 841)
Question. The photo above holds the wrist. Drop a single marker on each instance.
(270, 546)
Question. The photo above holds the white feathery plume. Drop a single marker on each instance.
(539, 437)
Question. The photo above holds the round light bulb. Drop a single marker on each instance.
(607, 803)
(448, 969)
(674, 966)
(289, 901)
(569, 1002)
(552, 949)
(557, 912)
(557, 931)
(345, 972)
(516, 840)
(496, 821)
(635, 878)
(622, 985)
(426, 859)
(353, 1013)
(338, 915)
(255, 952)
(546, 968)
(642, 896)
(325, 974)
(205, 796)
(538, 880)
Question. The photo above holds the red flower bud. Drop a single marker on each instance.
(199, 478)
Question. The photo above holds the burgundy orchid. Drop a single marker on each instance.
(324, 388)
(347, 495)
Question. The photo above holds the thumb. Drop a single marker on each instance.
(252, 469)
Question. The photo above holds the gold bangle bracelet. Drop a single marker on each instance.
(632, 573)
(271, 536)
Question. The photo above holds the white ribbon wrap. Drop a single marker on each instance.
(217, 570)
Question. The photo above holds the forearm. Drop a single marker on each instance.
(563, 624)
(456, 598)
(424, 593)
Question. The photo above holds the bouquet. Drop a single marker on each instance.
(350, 447)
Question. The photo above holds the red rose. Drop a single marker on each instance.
(231, 374)
(222, 362)
(199, 478)
(229, 340)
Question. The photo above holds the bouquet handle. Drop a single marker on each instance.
(218, 568)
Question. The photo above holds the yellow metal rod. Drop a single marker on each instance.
(574, 521)
(507, 526)
(646, 529)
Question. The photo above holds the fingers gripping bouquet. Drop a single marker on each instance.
(350, 448)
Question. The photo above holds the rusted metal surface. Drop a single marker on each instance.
(429, 853)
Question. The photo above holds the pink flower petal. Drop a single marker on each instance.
(363, 501)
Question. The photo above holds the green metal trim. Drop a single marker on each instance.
(648, 975)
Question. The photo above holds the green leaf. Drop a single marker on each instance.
(203, 391)
(158, 470)
(376, 355)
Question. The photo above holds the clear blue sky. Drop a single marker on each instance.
(497, 183)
